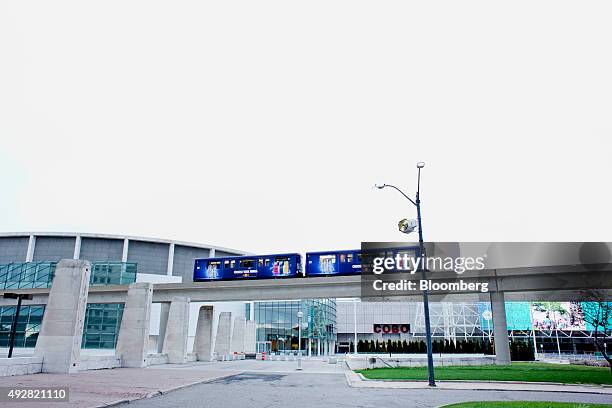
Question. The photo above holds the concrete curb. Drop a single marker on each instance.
(165, 391)
(356, 380)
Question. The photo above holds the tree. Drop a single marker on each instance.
(598, 314)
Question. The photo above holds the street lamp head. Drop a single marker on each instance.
(420, 165)
(300, 315)
(407, 226)
(380, 186)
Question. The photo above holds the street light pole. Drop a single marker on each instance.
(430, 364)
(299, 316)
(417, 204)
(13, 332)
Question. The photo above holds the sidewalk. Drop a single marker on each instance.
(106, 387)
(356, 380)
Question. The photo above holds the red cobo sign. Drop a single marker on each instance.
(391, 328)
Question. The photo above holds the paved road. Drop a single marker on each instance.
(296, 390)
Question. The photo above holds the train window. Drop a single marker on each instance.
(359, 257)
(260, 262)
(267, 262)
(342, 258)
(327, 263)
(229, 263)
(349, 258)
(247, 263)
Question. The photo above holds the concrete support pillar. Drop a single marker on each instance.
(318, 347)
(238, 335)
(250, 336)
(224, 334)
(202, 344)
(332, 348)
(177, 331)
(163, 322)
(133, 342)
(59, 340)
(309, 347)
(211, 253)
(500, 330)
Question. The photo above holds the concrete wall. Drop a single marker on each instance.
(101, 250)
(238, 335)
(152, 257)
(250, 336)
(184, 258)
(203, 342)
(13, 249)
(20, 366)
(224, 335)
(133, 342)
(175, 339)
(53, 248)
(59, 341)
(361, 362)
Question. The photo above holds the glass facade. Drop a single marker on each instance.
(277, 324)
(20, 275)
(102, 322)
(101, 328)
(113, 273)
(28, 325)
(26, 275)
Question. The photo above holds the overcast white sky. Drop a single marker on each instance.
(262, 125)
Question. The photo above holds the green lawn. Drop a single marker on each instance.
(535, 372)
(525, 404)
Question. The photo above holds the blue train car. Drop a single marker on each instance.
(333, 263)
(348, 262)
(248, 267)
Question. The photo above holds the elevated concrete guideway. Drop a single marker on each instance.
(543, 283)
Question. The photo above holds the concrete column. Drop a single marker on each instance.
(500, 330)
(250, 337)
(251, 315)
(133, 342)
(211, 253)
(170, 260)
(59, 341)
(77, 247)
(332, 348)
(126, 246)
(177, 330)
(309, 347)
(238, 335)
(163, 323)
(31, 246)
(202, 344)
(318, 347)
(224, 334)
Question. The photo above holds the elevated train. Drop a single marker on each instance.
(283, 266)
